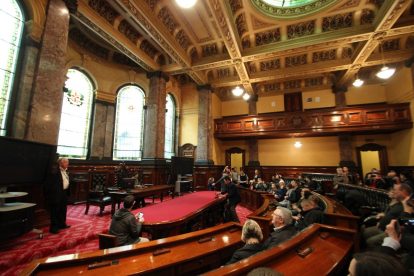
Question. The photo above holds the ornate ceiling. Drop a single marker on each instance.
(266, 48)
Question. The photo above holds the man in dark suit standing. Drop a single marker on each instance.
(233, 198)
(56, 191)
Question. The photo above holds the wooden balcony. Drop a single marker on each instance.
(363, 119)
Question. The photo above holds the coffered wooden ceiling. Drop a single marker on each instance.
(232, 42)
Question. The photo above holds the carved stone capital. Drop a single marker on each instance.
(158, 74)
(72, 5)
(204, 87)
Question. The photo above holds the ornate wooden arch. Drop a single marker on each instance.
(382, 153)
(235, 150)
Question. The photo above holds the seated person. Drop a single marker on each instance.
(124, 224)
(374, 235)
(401, 236)
(260, 185)
(284, 229)
(252, 237)
(311, 213)
(272, 189)
(281, 192)
(375, 264)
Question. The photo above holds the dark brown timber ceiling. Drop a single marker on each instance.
(231, 42)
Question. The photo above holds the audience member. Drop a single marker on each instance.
(338, 178)
(234, 175)
(284, 229)
(407, 178)
(293, 194)
(311, 213)
(243, 179)
(210, 184)
(124, 224)
(233, 198)
(264, 271)
(252, 237)
(256, 176)
(401, 235)
(375, 264)
(56, 191)
(260, 185)
(281, 192)
(374, 235)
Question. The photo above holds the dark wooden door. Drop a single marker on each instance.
(293, 101)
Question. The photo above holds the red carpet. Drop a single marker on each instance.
(81, 236)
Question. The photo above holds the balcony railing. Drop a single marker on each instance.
(363, 119)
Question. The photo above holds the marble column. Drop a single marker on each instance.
(154, 135)
(340, 99)
(24, 89)
(46, 97)
(103, 127)
(253, 153)
(204, 151)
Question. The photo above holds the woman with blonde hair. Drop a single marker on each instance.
(252, 237)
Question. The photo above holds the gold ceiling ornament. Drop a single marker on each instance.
(291, 9)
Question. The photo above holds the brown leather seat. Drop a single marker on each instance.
(98, 195)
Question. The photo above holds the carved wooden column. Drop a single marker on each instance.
(153, 161)
(253, 153)
(340, 99)
(253, 104)
(205, 132)
(46, 103)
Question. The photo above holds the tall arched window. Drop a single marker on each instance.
(75, 120)
(129, 123)
(169, 127)
(12, 22)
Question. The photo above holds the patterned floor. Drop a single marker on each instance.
(80, 237)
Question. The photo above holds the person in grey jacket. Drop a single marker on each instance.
(125, 226)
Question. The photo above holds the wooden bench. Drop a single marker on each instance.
(186, 254)
(107, 241)
(317, 250)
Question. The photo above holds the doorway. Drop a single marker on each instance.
(372, 156)
(235, 157)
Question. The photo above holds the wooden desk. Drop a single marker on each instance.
(330, 251)
(187, 254)
(194, 219)
(16, 218)
(146, 191)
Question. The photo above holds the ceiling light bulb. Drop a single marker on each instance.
(298, 144)
(358, 82)
(385, 72)
(237, 91)
(246, 96)
(186, 4)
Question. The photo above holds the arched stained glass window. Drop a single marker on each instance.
(169, 127)
(129, 123)
(76, 116)
(12, 22)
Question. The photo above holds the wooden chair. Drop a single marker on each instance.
(107, 241)
(98, 196)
